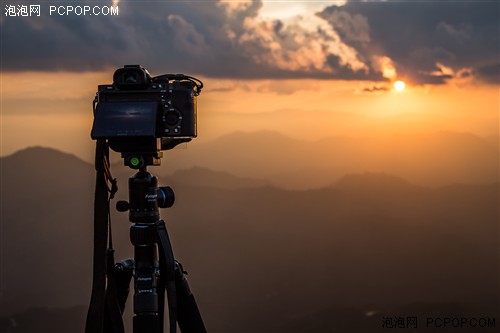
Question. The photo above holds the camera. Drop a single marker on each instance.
(142, 114)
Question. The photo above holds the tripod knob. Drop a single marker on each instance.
(122, 206)
(166, 197)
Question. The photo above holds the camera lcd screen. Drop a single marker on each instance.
(131, 119)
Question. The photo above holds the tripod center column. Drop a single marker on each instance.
(144, 213)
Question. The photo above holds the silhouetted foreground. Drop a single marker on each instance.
(263, 259)
(417, 317)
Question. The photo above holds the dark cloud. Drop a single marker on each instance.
(207, 37)
(490, 73)
(375, 89)
(171, 36)
(227, 40)
(424, 37)
(334, 61)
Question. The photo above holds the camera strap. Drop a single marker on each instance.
(104, 311)
(166, 280)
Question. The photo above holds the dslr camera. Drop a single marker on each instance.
(141, 114)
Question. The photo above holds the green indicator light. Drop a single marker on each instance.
(135, 161)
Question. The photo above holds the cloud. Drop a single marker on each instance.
(373, 89)
(302, 45)
(186, 38)
(358, 40)
(422, 38)
(385, 66)
(351, 27)
(216, 39)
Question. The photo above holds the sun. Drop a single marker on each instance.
(399, 85)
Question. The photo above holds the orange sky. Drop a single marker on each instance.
(54, 109)
(47, 83)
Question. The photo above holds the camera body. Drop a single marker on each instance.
(143, 114)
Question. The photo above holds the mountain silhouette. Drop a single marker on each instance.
(431, 159)
(377, 181)
(197, 176)
(259, 257)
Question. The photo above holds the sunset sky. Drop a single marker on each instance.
(357, 138)
(308, 70)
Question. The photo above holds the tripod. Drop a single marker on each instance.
(149, 236)
(139, 116)
(154, 268)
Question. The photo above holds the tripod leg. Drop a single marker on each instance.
(182, 305)
(166, 280)
(188, 314)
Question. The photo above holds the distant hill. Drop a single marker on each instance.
(433, 159)
(377, 181)
(197, 176)
(40, 162)
(257, 255)
(426, 159)
(46, 217)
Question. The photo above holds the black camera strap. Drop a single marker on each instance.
(104, 297)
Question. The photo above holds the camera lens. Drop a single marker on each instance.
(172, 118)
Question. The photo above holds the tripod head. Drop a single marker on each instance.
(145, 196)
